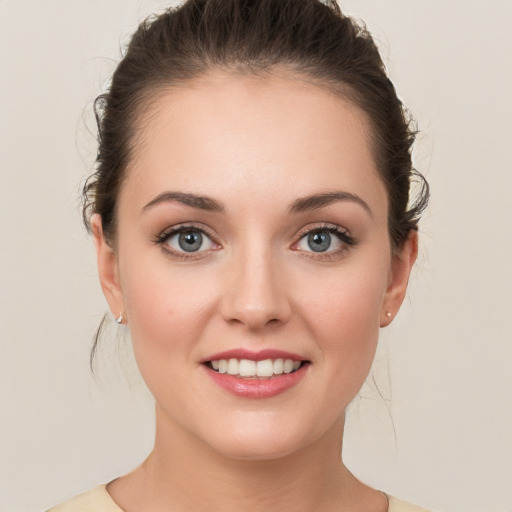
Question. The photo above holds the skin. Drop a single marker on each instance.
(256, 146)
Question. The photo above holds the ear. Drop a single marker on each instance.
(108, 269)
(401, 265)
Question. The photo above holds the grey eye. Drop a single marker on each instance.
(324, 240)
(319, 241)
(190, 241)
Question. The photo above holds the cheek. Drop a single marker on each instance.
(345, 319)
(167, 307)
(348, 302)
(168, 314)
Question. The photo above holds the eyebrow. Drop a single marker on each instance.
(317, 201)
(200, 202)
(303, 204)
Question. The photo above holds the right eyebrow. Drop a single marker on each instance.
(317, 201)
(195, 201)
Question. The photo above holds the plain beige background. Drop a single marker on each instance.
(449, 351)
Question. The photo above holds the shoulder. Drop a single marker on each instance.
(99, 500)
(396, 505)
(95, 500)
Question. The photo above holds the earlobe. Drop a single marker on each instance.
(401, 266)
(108, 269)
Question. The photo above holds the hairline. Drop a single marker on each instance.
(151, 93)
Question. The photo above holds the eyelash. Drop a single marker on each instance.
(343, 235)
(347, 240)
(163, 237)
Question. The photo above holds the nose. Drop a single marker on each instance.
(255, 294)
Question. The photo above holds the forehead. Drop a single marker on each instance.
(271, 137)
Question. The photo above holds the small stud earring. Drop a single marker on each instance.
(119, 319)
(388, 314)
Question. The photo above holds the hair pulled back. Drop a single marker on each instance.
(312, 39)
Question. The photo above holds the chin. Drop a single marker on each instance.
(262, 441)
(248, 449)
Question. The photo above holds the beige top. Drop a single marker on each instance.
(99, 500)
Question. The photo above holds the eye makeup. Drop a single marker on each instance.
(316, 242)
(191, 241)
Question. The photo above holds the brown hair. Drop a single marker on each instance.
(309, 38)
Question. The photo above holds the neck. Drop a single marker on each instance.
(182, 473)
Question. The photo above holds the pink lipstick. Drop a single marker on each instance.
(260, 374)
(260, 355)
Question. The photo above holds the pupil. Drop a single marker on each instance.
(190, 241)
(319, 242)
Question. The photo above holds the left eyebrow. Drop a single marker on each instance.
(316, 201)
(195, 201)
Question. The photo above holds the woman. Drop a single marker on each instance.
(254, 231)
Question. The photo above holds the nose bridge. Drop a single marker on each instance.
(255, 297)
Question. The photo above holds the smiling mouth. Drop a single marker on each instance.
(247, 368)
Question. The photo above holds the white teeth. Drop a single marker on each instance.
(249, 368)
(223, 366)
(265, 368)
(232, 367)
(288, 366)
(278, 366)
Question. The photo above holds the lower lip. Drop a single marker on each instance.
(247, 387)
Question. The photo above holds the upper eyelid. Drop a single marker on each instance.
(327, 226)
(171, 230)
(164, 236)
(343, 234)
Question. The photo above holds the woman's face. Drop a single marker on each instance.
(252, 227)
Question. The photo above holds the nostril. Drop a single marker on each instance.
(255, 296)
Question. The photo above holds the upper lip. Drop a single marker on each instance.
(253, 355)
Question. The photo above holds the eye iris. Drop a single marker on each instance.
(190, 241)
(319, 242)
